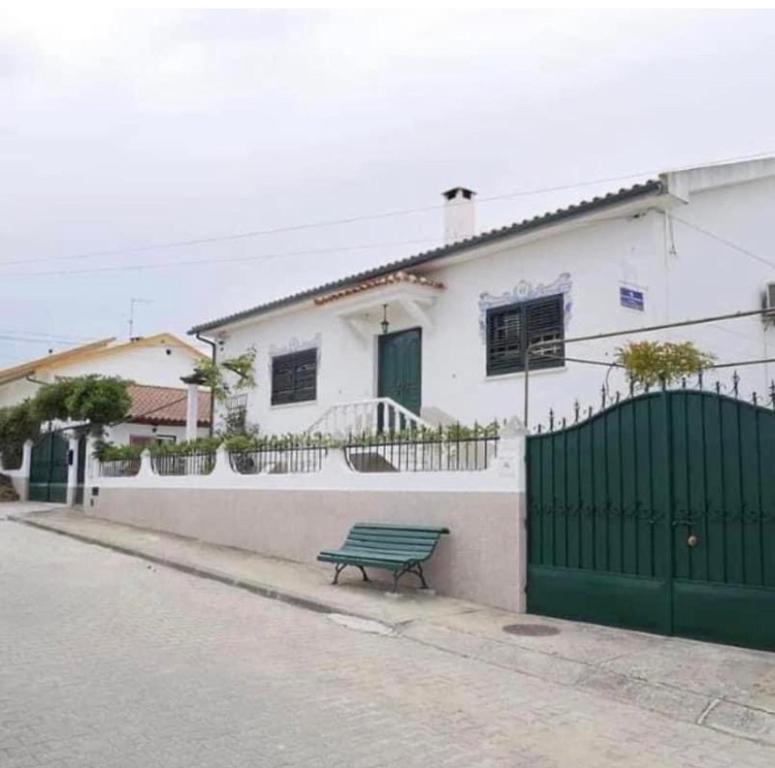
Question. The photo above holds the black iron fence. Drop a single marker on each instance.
(279, 460)
(120, 467)
(422, 452)
(733, 388)
(183, 464)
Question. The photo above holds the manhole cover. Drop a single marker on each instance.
(531, 630)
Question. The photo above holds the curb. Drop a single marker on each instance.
(193, 570)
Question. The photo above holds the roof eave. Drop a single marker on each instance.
(647, 189)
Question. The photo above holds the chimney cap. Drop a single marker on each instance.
(464, 192)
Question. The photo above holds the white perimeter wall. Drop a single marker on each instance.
(295, 516)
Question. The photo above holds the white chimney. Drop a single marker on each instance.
(459, 220)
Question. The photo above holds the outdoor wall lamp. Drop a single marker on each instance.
(385, 324)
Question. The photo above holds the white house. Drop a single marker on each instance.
(441, 336)
(443, 333)
(155, 364)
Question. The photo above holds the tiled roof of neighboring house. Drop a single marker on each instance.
(95, 349)
(393, 278)
(165, 405)
(646, 189)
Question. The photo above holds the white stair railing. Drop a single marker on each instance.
(366, 416)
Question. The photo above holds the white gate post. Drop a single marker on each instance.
(193, 382)
(511, 464)
(72, 470)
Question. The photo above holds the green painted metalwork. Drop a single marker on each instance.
(48, 469)
(400, 369)
(658, 513)
(400, 549)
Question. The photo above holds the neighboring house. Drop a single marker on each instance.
(685, 245)
(155, 364)
(158, 415)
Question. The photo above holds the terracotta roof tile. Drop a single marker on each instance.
(377, 282)
(165, 405)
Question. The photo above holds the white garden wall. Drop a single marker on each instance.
(294, 516)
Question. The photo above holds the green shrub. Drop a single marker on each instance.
(200, 445)
(50, 401)
(18, 423)
(653, 362)
(100, 400)
(105, 451)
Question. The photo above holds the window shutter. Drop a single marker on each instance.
(545, 323)
(294, 377)
(510, 329)
(504, 340)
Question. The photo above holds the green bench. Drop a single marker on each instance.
(397, 548)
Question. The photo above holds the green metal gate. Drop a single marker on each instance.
(48, 469)
(658, 513)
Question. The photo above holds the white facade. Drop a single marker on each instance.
(699, 248)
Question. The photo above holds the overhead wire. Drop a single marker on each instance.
(355, 219)
(228, 260)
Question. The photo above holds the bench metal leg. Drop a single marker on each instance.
(337, 570)
(341, 566)
(419, 573)
(416, 569)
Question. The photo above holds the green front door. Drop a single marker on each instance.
(399, 370)
(48, 469)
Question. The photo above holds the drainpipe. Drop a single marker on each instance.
(214, 348)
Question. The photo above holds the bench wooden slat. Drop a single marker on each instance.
(390, 541)
(400, 556)
(363, 557)
(377, 532)
(397, 527)
(401, 542)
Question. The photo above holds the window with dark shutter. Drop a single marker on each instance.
(512, 328)
(294, 377)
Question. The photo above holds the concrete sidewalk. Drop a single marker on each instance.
(719, 687)
(308, 586)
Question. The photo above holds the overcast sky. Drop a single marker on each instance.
(123, 131)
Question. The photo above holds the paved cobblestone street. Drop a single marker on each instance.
(106, 660)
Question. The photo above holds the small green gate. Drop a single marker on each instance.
(658, 513)
(48, 469)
